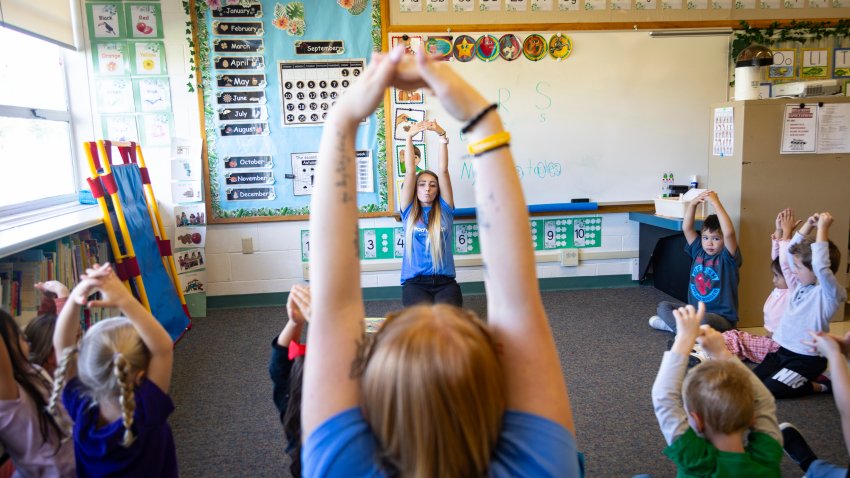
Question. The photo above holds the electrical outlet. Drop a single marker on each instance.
(569, 257)
(635, 268)
(247, 245)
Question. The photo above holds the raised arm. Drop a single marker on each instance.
(787, 223)
(408, 187)
(730, 240)
(832, 290)
(688, 229)
(337, 309)
(833, 349)
(66, 333)
(442, 169)
(156, 339)
(535, 382)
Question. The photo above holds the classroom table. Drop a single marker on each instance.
(662, 246)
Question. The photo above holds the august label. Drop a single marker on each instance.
(246, 129)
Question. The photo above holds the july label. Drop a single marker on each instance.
(247, 129)
(236, 97)
(237, 162)
(330, 47)
(246, 113)
(237, 28)
(266, 177)
(241, 81)
(224, 45)
(238, 11)
(250, 194)
(239, 63)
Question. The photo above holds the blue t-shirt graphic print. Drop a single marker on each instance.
(714, 280)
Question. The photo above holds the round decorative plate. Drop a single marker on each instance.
(464, 48)
(510, 48)
(560, 46)
(534, 47)
(487, 48)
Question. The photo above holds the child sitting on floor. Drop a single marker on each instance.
(791, 370)
(722, 420)
(714, 271)
(755, 347)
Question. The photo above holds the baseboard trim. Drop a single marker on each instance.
(278, 299)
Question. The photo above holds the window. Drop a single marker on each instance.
(36, 155)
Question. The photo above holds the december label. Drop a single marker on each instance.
(265, 177)
(238, 162)
(237, 28)
(250, 194)
(239, 63)
(224, 45)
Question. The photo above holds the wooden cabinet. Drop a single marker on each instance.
(756, 182)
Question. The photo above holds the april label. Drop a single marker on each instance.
(239, 63)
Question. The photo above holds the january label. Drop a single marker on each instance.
(265, 177)
(238, 11)
(238, 162)
(237, 97)
(237, 28)
(250, 194)
(247, 129)
(329, 47)
(224, 45)
(245, 113)
(239, 63)
(241, 81)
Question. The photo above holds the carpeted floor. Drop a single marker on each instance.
(226, 425)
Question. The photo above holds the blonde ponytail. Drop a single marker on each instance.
(59, 377)
(123, 374)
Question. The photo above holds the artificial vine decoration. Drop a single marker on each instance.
(794, 31)
(189, 40)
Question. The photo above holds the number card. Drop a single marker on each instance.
(516, 5)
(489, 5)
(398, 242)
(466, 239)
(437, 6)
(305, 245)
(568, 5)
(587, 231)
(646, 4)
(410, 6)
(541, 5)
(375, 243)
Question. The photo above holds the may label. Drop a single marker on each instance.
(250, 194)
(239, 63)
(238, 11)
(241, 81)
(224, 45)
(264, 177)
(237, 28)
(247, 129)
(329, 47)
(238, 162)
(236, 97)
(245, 113)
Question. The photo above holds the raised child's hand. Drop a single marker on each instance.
(713, 344)
(89, 283)
(417, 128)
(788, 223)
(712, 196)
(824, 344)
(113, 293)
(55, 287)
(298, 304)
(824, 220)
(433, 126)
(688, 320)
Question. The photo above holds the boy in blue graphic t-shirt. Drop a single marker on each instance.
(714, 271)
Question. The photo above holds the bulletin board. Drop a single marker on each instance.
(268, 72)
(603, 118)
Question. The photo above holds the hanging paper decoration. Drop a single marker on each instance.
(354, 7)
(534, 47)
(560, 46)
(510, 48)
(487, 48)
(290, 17)
(464, 48)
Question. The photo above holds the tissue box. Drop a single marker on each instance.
(676, 207)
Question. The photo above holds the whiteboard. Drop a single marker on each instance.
(604, 124)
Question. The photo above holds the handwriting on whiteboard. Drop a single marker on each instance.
(530, 170)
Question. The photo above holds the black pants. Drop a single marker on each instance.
(431, 290)
(788, 374)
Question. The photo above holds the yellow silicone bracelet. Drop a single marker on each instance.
(489, 142)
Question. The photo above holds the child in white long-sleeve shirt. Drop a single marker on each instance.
(722, 420)
(791, 370)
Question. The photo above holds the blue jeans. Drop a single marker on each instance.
(822, 469)
(716, 321)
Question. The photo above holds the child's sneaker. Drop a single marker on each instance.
(697, 357)
(796, 447)
(825, 384)
(656, 323)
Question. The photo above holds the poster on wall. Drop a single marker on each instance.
(799, 129)
(272, 71)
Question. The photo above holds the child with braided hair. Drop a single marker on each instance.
(117, 388)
